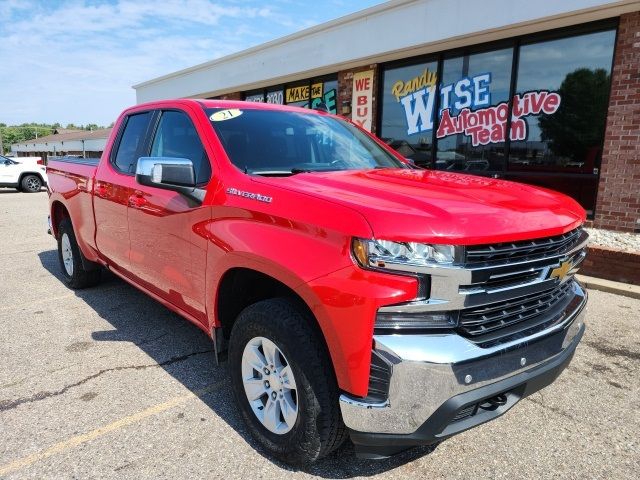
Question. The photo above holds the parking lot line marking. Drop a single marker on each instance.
(100, 431)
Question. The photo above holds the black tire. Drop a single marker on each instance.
(31, 184)
(318, 429)
(78, 277)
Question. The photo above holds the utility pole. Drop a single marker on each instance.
(1, 145)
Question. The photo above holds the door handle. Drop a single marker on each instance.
(137, 200)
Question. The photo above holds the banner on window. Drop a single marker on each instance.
(465, 108)
(362, 99)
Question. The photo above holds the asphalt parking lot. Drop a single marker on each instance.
(107, 383)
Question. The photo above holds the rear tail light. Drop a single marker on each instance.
(40, 162)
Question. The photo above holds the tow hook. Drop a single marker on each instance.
(494, 402)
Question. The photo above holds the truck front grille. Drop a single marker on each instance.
(501, 253)
(492, 321)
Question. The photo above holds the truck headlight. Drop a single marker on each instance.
(401, 256)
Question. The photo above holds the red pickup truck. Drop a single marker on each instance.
(352, 294)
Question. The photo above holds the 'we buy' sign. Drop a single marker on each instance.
(362, 99)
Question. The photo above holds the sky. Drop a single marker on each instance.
(75, 61)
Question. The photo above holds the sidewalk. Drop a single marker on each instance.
(625, 289)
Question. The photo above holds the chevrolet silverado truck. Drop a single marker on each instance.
(352, 294)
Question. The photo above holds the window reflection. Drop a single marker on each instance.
(578, 69)
(474, 82)
(405, 126)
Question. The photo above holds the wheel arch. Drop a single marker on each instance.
(58, 213)
(240, 287)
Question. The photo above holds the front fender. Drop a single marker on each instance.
(305, 244)
(345, 303)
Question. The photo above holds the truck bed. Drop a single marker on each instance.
(71, 185)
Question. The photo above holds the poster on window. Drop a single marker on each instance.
(362, 99)
(258, 97)
(465, 108)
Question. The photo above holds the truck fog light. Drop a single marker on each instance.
(408, 321)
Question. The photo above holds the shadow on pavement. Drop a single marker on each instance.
(17, 192)
(186, 353)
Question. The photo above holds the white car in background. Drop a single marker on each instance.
(25, 174)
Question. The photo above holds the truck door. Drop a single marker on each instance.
(114, 187)
(168, 250)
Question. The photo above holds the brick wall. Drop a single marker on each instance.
(345, 90)
(618, 205)
(612, 264)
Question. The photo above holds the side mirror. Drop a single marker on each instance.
(176, 174)
(8, 162)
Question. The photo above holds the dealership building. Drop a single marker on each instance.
(544, 92)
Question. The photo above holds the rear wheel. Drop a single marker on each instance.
(74, 273)
(283, 382)
(31, 184)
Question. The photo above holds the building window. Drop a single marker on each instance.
(555, 119)
(255, 96)
(474, 100)
(298, 95)
(307, 94)
(408, 103)
(325, 91)
(275, 96)
(562, 145)
(567, 137)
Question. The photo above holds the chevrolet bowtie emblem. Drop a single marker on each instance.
(561, 271)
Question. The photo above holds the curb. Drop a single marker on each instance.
(609, 286)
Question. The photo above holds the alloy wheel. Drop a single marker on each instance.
(67, 254)
(269, 385)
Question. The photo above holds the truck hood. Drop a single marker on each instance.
(441, 207)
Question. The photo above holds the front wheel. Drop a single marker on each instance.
(283, 382)
(74, 273)
(31, 184)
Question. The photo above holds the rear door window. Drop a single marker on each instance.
(176, 137)
(132, 141)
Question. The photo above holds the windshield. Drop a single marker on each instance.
(272, 142)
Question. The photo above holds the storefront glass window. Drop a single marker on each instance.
(312, 93)
(298, 95)
(275, 96)
(255, 96)
(474, 96)
(408, 104)
(325, 92)
(561, 98)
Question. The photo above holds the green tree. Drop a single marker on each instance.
(10, 134)
(578, 125)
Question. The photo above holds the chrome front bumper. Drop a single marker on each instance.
(429, 371)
